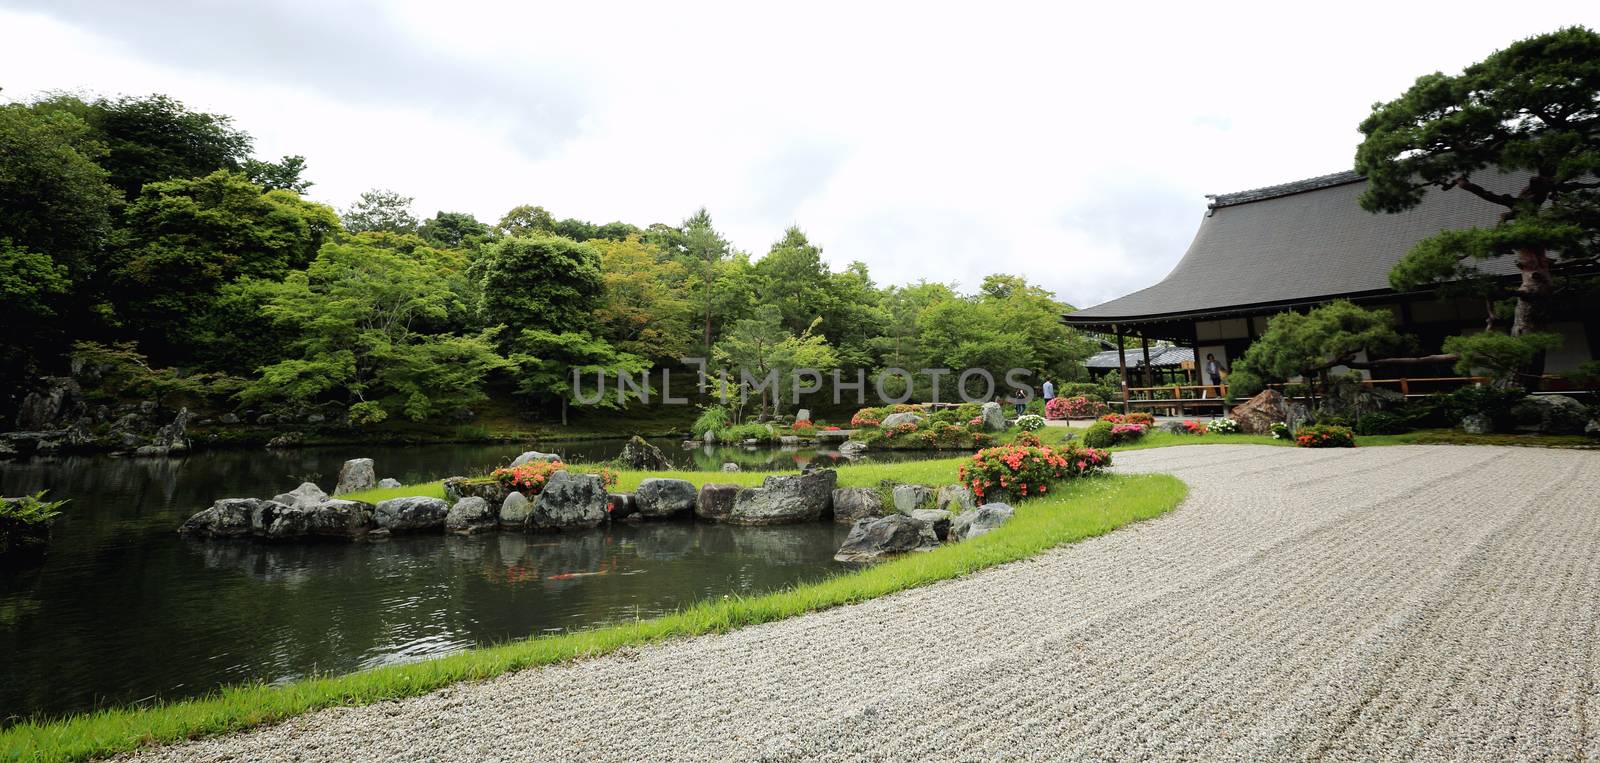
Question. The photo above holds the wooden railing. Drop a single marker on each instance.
(1207, 396)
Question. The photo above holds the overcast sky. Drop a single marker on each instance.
(1072, 145)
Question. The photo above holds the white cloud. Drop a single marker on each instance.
(941, 142)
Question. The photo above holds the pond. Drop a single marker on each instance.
(125, 611)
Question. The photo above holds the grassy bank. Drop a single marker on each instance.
(1081, 510)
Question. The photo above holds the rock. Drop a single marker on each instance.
(305, 496)
(896, 419)
(44, 408)
(750, 443)
(955, 499)
(785, 499)
(226, 518)
(909, 498)
(316, 418)
(569, 501)
(1592, 429)
(388, 482)
(1550, 414)
(266, 419)
(356, 474)
(470, 515)
(971, 524)
(1175, 427)
(1259, 413)
(229, 418)
(804, 414)
(638, 454)
(411, 514)
(8, 451)
(873, 539)
(1476, 423)
(709, 438)
(994, 418)
(338, 518)
(715, 502)
(789, 439)
(173, 438)
(853, 449)
(286, 440)
(936, 520)
(514, 510)
(533, 455)
(852, 504)
(731, 467)
(456, 488)
(622, 507)
(661, 498)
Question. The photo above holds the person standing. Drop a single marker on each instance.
(1049, 391)
(1021, 401)
(1216, 373)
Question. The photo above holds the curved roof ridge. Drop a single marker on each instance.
(1284, 189)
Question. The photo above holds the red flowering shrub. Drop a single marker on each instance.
(900, 430)
(1027, 439)
(530, 478)
(1074, 408)
(1024, 471)
(830, 428)
(867, 417)
(1325, 436)
(1137, 417)
(1190, 426)
(804, 427)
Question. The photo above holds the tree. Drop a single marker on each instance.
(761, 347)
(57, 201)
(1057, 350)
(187, 238)
(644, 311)
(1501, 355)
(454, 230)
(1532, 108)
(540, 282)
(284, 174)
(526, 220)
(796, 280)
(354, 315)
(1309, 344)
(381, 210)
(704, 248)
(548, 361)
(155, 138)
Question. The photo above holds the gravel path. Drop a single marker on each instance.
(1417, 602)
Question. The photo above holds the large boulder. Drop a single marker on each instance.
(307, 495)
(356, 474)
(852, 504)
(515, 509)
(411, 514)
(227, 518)
(1550, 414)
(470, 515)
(570, 501)
(994, 418)
(971, 524)
(909, 498)
(533, 455)
(388, 482)
(661, 498)
(641, 455)
(955, 499)
(338, 518)
(873, 539)
(457, 488)
(715, 502)
(622, 507)
(785, 499)
(853, 449)
(935, 521)
(1259, 413)
(731, 467)
(1476, 423)
(896, 419)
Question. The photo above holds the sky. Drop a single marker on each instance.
(1072, 145)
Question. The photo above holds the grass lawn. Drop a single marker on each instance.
(1078, 510)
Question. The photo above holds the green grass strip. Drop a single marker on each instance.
(1079, 510)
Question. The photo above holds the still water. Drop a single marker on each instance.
(125, 611)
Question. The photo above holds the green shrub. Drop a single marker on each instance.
(751, 431)
(1325, 436)
(1098, 435)
(1484, 401)
(1090, 390)
(713, 419)
(1383, 422)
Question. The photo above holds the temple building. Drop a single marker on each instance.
(1299, 245)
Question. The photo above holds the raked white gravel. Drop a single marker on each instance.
(1400, 603)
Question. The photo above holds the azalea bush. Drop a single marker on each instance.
(530, 478)
(1190, 426)
(1028, 439)
(1079, 407)
(867, 417)
(803, 427)
(1325, 436)
(937, 435)
(1028, 423)
(1222, 426)
(1026, 470)
(900, 430)
(1137, 417)
(1104, 434)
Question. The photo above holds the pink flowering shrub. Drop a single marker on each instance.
(1026, 470)
(1074, 408)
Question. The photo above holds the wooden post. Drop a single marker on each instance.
(1122, 365)
(1144, 342)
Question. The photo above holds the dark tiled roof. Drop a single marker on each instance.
(1299, 242)
(1162, 355)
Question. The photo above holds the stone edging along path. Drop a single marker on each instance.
(1414, 601)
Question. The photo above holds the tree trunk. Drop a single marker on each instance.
(563, 411)
(1533, 298)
